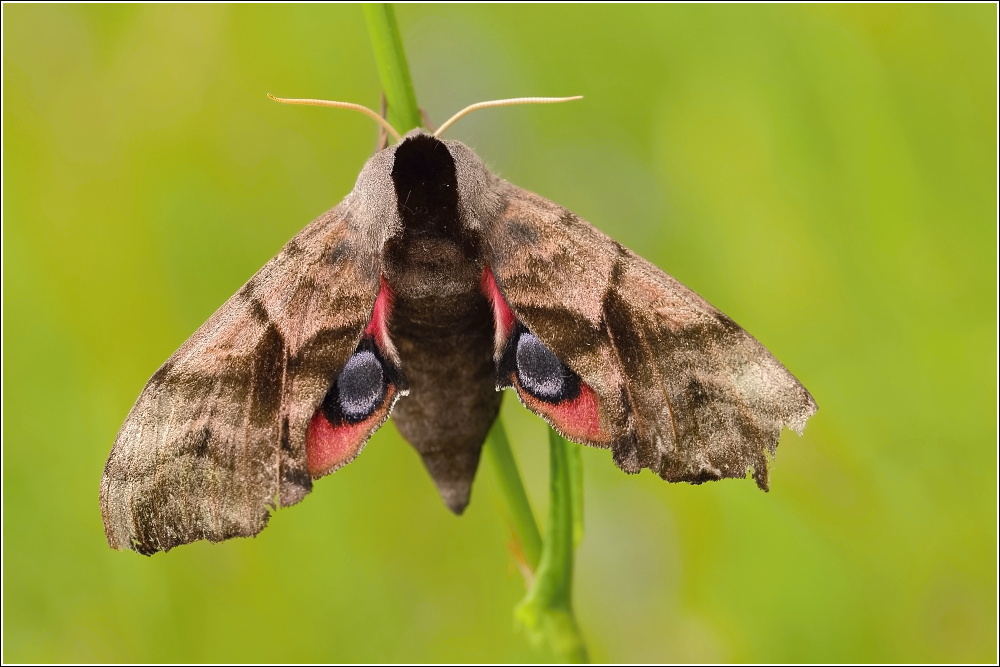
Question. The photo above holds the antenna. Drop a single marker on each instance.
(502, 103)
(341, 105)
(451, 121)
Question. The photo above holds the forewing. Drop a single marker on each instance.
(218, 435)
(679, 387)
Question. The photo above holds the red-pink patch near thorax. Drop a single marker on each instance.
(329, 447)
(378, 326)
(503, 318)
(578, 419)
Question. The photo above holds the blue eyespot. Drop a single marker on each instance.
(360, 387)
(539, 371)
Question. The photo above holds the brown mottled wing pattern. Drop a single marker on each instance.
(217, 436)
(683, 390)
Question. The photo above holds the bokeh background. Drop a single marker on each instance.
(826, 175)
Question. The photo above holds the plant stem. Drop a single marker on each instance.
(402, 110)
(523, 519)
(574, 467)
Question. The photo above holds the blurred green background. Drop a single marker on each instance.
(826, 175)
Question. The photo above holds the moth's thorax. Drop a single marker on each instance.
(425, 180)
(430, 268)
(426, 185)
(435, 281)
(434, 260)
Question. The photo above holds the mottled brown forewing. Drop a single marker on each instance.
(217, 437)
(684, 390)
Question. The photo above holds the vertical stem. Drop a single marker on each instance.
(523, 519)
(402, 110)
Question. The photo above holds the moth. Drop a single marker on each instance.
(431, 287)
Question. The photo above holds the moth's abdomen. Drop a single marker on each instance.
(442, 327)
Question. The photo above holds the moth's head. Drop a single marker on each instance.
(421, 156)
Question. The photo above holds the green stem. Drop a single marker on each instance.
(521, 517)
(402, 110)
(547, 611)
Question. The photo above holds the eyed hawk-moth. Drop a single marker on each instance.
(432, 286)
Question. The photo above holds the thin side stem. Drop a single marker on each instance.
(574, 466)
(518, 506)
